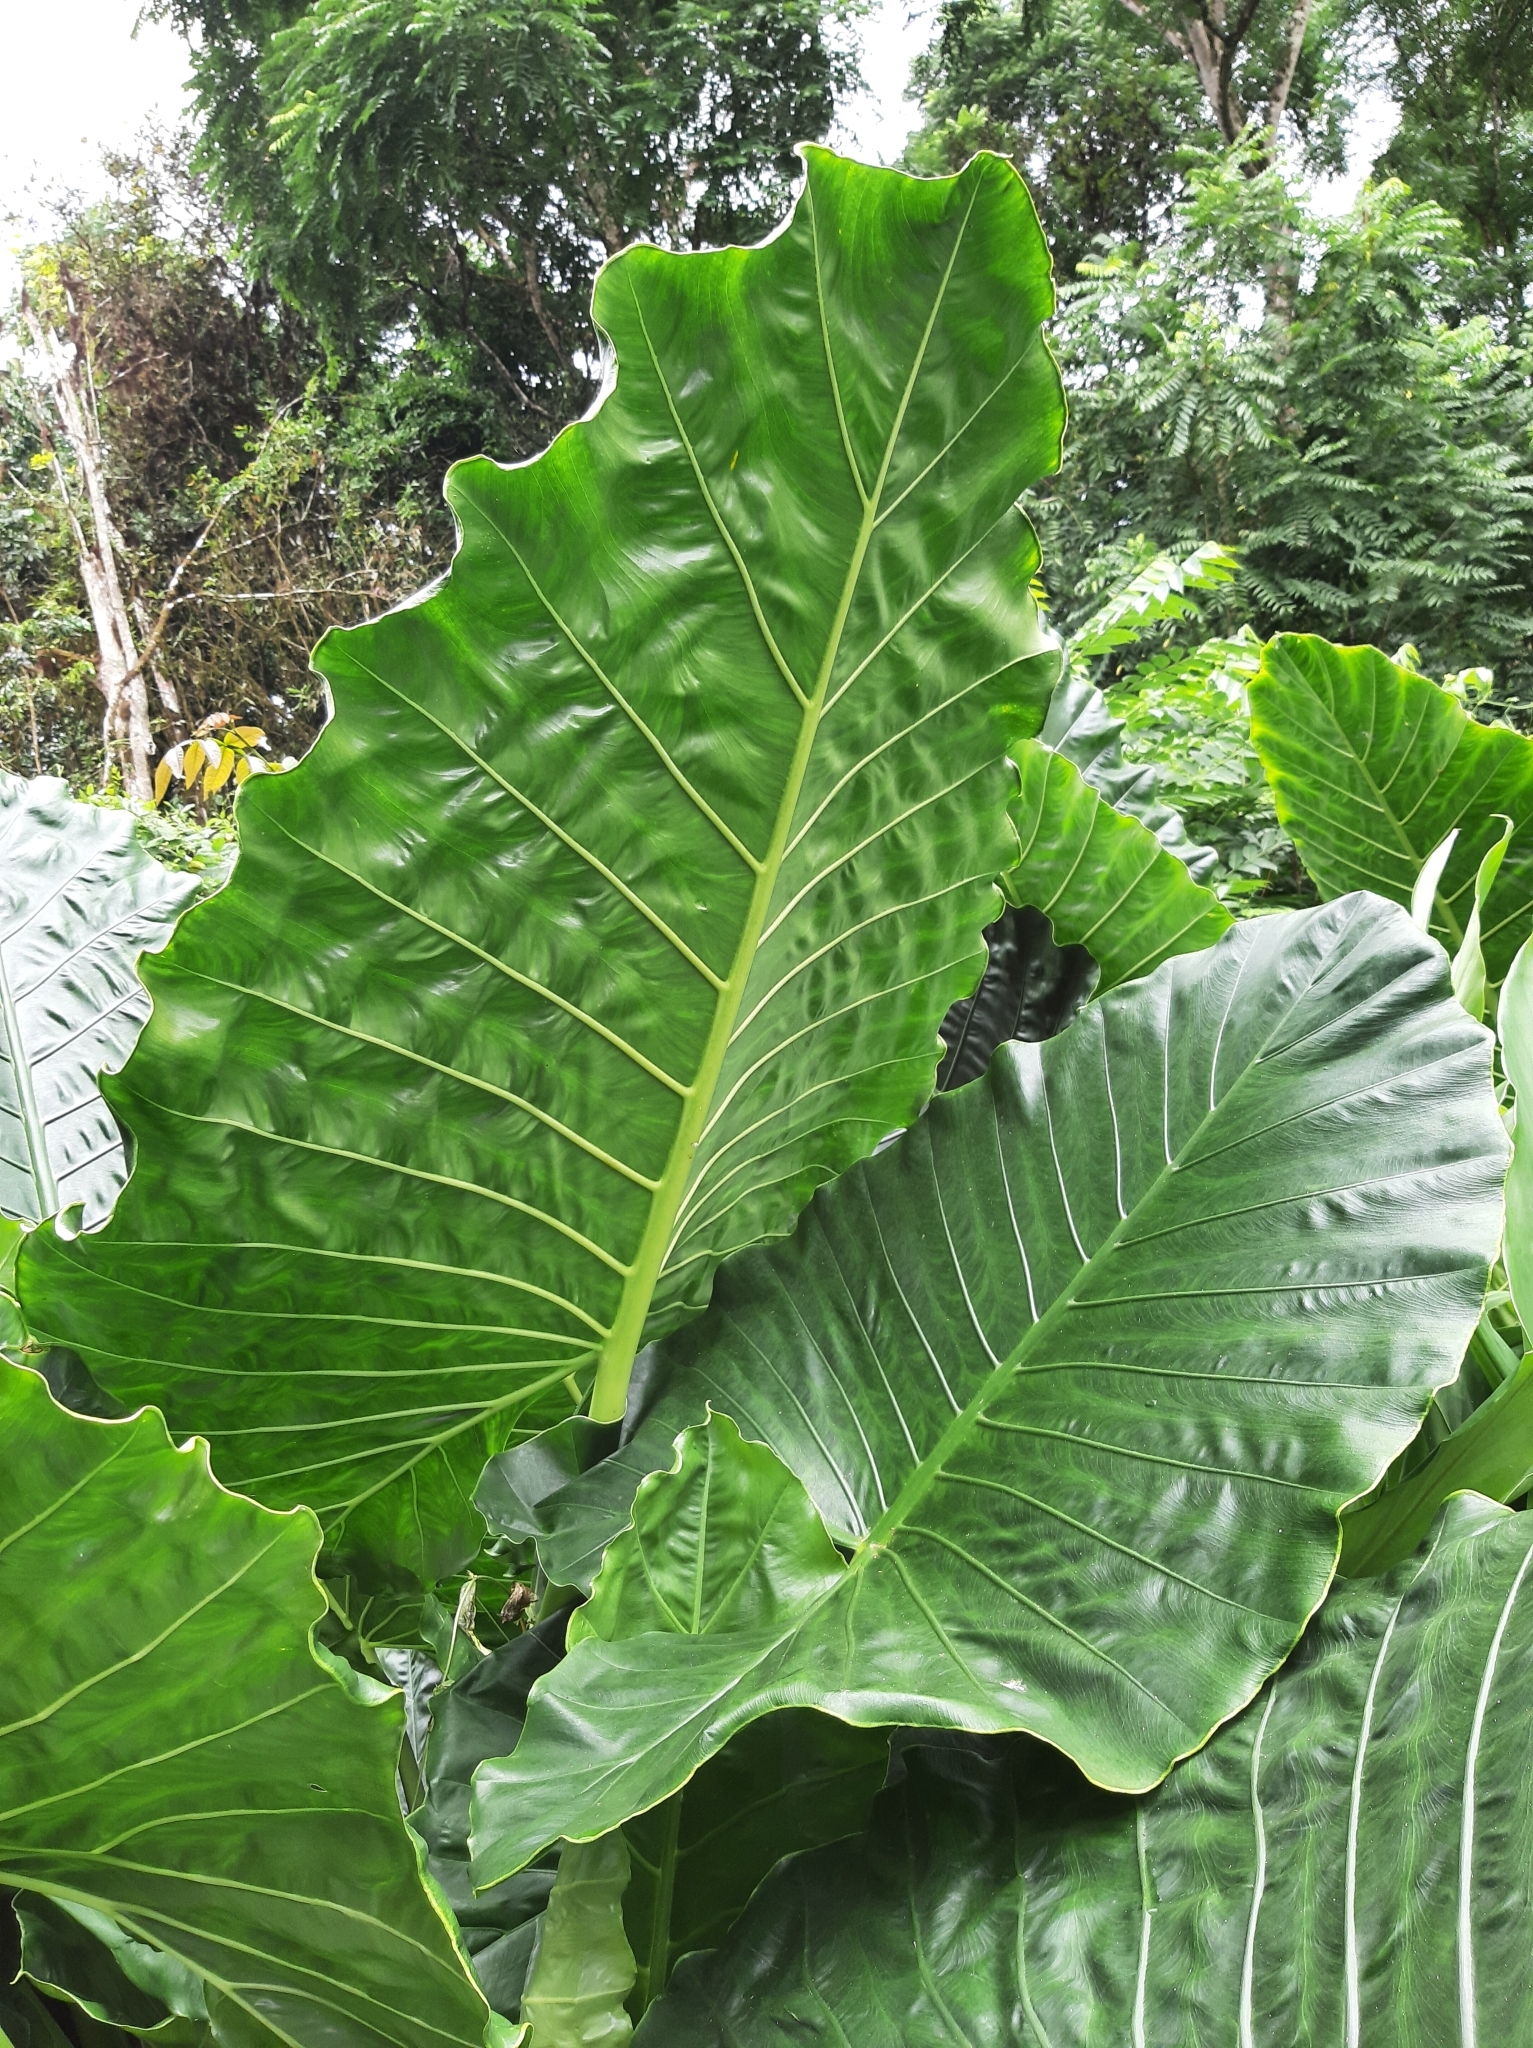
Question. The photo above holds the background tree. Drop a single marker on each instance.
(1370, 461)
(1462, 73)
(459, 171)
(1095, 100)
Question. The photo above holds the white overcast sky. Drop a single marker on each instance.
(80, 80)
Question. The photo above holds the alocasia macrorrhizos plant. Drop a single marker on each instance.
(619, 904)
(179, 1769)
(515, 1128)
(1373, 766)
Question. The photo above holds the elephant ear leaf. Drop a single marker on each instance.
(1372, 767)
(80, 901)
(1346, 1862)
(1109, 1395)
(180, 1772)
(620, 903)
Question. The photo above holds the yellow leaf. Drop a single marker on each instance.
(161, 781)
(218, 772)
(241, 770)
(252, 735)
(191, 762)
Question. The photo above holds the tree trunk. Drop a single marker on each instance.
(125, 721)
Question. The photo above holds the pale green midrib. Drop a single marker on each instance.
(921, 1480)
(609, 1395)
(44, 1187)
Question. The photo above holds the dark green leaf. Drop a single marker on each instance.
(1031, 988)
(620, 903)
(1347, 1863)
(1080, 1372)
(482, 1716)
(79, 1954)
(173, 1758)
(1372, 767)
(80, 901)
(787, 1782)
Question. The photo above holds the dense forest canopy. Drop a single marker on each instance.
(373, 254)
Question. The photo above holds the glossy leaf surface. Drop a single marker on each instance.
(1083, 1411)
(1347, 1862)
(174, 1758)
(1371, 767)
(620, 903)
(79, 902)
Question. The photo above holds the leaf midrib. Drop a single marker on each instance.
(968, 1419)
(610, 1391)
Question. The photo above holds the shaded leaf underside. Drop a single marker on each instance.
(1347, 1862)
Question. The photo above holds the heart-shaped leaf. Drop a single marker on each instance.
(1372, 767)
(620, 903)
(1348, 1862)
(1080, 1372)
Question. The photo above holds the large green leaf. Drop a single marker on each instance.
(1080, 1371)
(1347, 1863)
(175, 1760)
(79, 902)
(1372, 767)
(620, 903)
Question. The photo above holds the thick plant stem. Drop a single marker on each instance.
(658, 1960)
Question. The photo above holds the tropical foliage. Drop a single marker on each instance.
(741, 1287)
